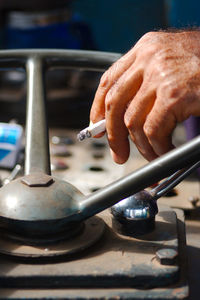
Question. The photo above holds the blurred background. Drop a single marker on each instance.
(113, 25)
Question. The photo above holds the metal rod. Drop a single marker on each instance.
(35, 61)
(156, 170)
(169, 183)
(13, 174)
(37, 138)
(54, 58)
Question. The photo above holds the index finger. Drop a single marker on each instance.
(108, 79)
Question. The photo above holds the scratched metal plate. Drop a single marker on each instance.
(135, 259)
(117, 260)
(117, 266)
(88, 235)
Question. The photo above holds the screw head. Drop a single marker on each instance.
(166, 256)
(37, 179)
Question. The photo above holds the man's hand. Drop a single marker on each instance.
(147, 91)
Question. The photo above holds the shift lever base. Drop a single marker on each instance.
(42, 250)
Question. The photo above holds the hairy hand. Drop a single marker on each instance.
(147, 91)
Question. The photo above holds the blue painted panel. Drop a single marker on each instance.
(183, 13)
(71, 35)
(117, 24)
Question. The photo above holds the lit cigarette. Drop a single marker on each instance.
(92, 130)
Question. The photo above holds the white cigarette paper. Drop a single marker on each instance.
(92, 130)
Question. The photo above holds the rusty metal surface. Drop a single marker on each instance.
(193, 253)
(158, 294)
(90, 167)
(91, 232)
(117, 260)
(123, 255)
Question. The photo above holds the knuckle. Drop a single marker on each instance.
(112, 140)
(148, 54)
(108, 77)
(113, 94)
(145, 53)
(173, 92)
(118, 66)
(109, 101)
(149, 35)
(144, 42)
(128, 121)
(169, 90)
(164, 89)
(151, 38)
(163, 53)
(133, 120)
(104, 81)
(150, 131)
(153, 49)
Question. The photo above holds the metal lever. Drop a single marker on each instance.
(13, 174)
(142, 206)
(168, 184)
(39, 204)
(37, 138)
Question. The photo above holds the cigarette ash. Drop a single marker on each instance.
(84, 134)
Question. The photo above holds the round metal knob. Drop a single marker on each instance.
(136, 214)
